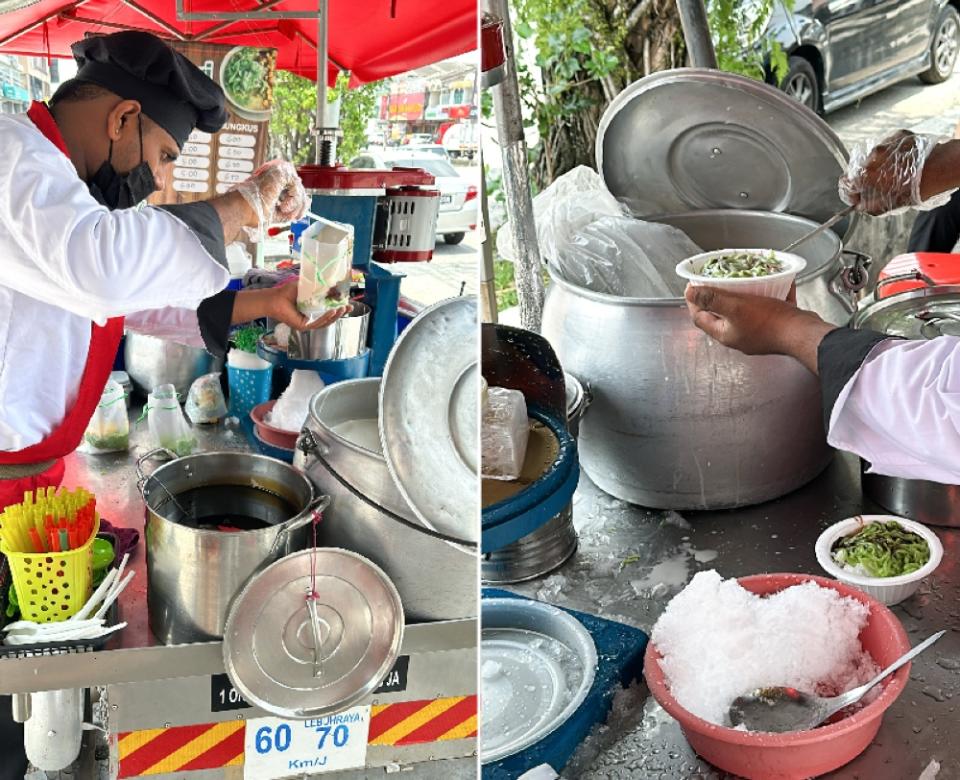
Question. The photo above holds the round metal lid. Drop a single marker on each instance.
(428, 417)
(916, 314)
(269, 644)
(537, 665)
(692, 140)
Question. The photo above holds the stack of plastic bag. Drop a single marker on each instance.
(293, 407)
(504, 434)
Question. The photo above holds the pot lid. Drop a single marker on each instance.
(538, 665)
(915, 314)
(268, 645)
(428, 417)
(694, 139)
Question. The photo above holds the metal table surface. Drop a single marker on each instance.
(632, 560)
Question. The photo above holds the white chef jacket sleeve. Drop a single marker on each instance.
(900, 409)
(71, 252)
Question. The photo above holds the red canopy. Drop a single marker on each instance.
(373, 39)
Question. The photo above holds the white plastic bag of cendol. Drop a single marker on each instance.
(326, 256)
(205, 401)
(504, 434)
(109, 428)
(168, 427)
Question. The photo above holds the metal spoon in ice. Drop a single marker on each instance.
(780, 709)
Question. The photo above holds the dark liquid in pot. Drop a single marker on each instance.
(229, 508)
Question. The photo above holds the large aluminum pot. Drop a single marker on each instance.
(930, 503)
(194, 569)
(678, 421)
(151, 362)
(830, 285)
(436, 580)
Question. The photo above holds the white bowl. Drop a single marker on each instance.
(773, 286)
(888, 590)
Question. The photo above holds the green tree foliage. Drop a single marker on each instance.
(295, 115)
(739, 31)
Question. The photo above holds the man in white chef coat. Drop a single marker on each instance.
(895, 403)
(80, 263)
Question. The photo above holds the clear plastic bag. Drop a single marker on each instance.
(109, 428)
(569, 204)
(168, 427)
(626, 257)
(883, 176)
(589, 239)
(326, 257)
(205, 401)
(504, 434)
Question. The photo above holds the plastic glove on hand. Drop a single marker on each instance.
(885, 177)
(275, 193)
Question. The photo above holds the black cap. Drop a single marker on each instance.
(172, 91)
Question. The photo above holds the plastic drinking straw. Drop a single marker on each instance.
(64, 540)
(37, 541)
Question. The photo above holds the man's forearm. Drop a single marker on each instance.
(234, 212)
(941, 172)
(802, 336)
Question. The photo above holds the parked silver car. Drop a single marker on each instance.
(458, 198)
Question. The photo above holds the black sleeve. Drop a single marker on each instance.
(839, 357)
(215, 313)
(203, 220)
(214, 316)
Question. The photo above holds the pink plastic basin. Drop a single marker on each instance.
(271, 435)
(795, 755)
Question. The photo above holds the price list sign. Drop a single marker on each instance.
(209, 164)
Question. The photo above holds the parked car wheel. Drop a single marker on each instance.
(801, 83)
(944, 47)
(453, 238)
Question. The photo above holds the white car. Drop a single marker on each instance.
(458, 199)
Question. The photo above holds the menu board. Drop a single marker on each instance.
(209, 164)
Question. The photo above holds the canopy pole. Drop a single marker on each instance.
(696, 33)
(488, 291)
(326, 140)
(516, 178)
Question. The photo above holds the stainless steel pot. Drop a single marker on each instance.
(151, 362)
(834, 278)
(436, 580)
(345, 338)
(930, 503)
(194, 569)
(678, 421)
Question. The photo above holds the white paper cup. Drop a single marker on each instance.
(773, 286)
(887, 590)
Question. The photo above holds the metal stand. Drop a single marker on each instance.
(696, 33)
(516, 179)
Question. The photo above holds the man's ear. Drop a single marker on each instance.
(120, 117)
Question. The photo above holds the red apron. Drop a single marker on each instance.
(104, 342)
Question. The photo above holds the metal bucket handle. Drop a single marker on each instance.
(308, 445)
(851, 278)
(913, 276)
(318, 504)
(142, 477)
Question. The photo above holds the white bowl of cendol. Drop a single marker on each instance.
(755, 271)
(886, 557)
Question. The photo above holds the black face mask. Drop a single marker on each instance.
(116, 191)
